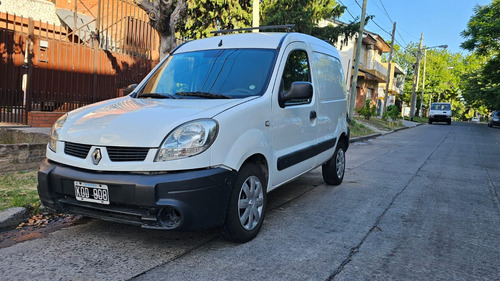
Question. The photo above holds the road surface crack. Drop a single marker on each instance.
(354, 250)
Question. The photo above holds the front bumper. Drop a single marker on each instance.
(440, 118)
(200, 197)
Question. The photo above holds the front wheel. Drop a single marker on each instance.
(333, 170)
(247, 205)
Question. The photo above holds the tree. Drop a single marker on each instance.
(443, 76)
(306, 15)
(163, 17)
(483, 29)
(482, 36)
(204, 16)
(195, 19)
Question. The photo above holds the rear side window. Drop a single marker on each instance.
(330, 78)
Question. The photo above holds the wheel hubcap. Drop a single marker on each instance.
(340, 163)
(250, 203)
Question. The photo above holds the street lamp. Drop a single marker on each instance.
(417, 71)
(423, 75)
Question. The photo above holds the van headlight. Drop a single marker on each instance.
(188, 140)
(54, 132)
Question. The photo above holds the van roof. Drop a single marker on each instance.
(262, 40)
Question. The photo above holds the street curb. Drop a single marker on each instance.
(372, 136)
(12, 217)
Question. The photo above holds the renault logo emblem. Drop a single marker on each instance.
(96, 156)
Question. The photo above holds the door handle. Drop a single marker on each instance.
(313, 115)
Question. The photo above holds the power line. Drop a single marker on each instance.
(378, 25)
(347, 10)
(386, 11)
(401, 37)
(381, 27)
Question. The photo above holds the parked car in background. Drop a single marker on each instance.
(440, 112)
(474, 119)
(495, 119)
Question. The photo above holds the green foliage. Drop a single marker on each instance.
(367, 111)
(483, 29)
(306, 15)
(357, 129)
(393, 112)
(19, 190)
(204, 16)
(482, 85)
(385, 116)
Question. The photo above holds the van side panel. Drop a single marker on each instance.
(242, 133)
(331, 88)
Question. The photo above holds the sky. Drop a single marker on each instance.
(441, 21)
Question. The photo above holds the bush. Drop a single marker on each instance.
(367, 111)
(393, 112)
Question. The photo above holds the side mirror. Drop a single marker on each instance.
(127, 90)
(298, 91)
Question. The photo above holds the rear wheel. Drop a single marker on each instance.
(247, 205)
(333, 170)
(448, 122)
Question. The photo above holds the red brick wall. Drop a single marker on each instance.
(42, 118)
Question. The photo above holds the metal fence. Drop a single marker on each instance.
(46, 67)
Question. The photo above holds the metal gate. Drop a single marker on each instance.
(57, 68)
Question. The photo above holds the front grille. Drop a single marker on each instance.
(77, 150)
(122, 154)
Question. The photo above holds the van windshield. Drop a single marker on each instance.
(227, 73)
(441, 106)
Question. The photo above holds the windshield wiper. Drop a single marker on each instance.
(156, 96)
(203, 95)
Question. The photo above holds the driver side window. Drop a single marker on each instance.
(296, 69)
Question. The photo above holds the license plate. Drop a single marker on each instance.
(91, 192)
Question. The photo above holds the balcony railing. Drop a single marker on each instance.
(376, 69)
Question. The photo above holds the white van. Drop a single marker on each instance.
(202, 139)
(440, 112)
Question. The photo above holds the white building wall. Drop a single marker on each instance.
(38, 10)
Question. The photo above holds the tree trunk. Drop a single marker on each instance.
(163, 17)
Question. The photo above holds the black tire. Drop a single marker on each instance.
(248, 198)
(448, 122)
(333, 170)
(430, 121)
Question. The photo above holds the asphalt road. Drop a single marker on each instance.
(418, 204)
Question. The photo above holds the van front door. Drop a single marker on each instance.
(294, 125)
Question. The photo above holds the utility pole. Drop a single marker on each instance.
(423, 85)
(415, 80)
(352, 100)
(384, 108)
(255, 15)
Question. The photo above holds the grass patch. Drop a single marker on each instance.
(18, 189)
(358, 129)
(379, 123)
(422, 120)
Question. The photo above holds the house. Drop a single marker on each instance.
(372, 74)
